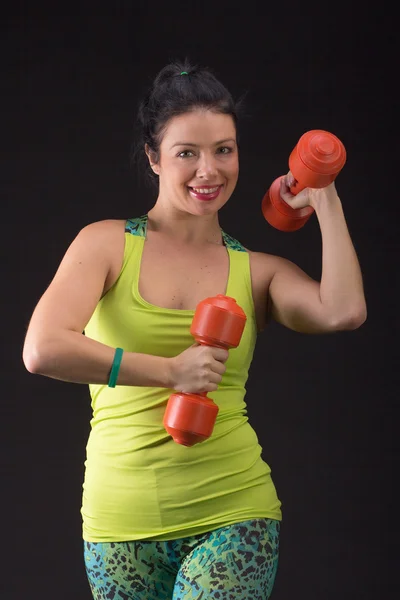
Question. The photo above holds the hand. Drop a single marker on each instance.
(308, 196)
(198, 369)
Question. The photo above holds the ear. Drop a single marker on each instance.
(152, 159)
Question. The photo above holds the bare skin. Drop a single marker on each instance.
(198, 151)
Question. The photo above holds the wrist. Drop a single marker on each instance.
(167, 370)
(324, 198)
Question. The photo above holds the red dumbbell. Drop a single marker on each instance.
(315, 162)
(218, 321)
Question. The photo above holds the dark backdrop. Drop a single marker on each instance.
(323, 406)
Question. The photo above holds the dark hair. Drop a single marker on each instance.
(178, 88)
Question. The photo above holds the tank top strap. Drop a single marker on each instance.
(231, 243)
(137, 226)
(239, 282)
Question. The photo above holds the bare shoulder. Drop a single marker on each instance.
(108, 228)
(275, 280)
(99, 245)
(107, 239)
(263, 266)
(83, 275)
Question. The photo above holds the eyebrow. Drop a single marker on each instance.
(195, 145)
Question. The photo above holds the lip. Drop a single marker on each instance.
(205, 197)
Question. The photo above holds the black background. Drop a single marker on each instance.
(323, 406)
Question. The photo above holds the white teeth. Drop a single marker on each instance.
(205, 190)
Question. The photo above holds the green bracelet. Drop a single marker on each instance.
(115, 367)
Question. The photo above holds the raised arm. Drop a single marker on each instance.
(55, 345)
(335, 303)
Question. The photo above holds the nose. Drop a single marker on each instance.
(207, 167)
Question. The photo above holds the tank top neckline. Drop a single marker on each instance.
(143, 301)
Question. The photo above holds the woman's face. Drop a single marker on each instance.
(199, 164)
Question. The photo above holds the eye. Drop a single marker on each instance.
(185, 154)
(224, 150)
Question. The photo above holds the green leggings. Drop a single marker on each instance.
(235, 562)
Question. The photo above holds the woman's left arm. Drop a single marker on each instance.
(335, 303)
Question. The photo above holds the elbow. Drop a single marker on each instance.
(355, 321)
(31, 359)
(34, 357)
(352, 320)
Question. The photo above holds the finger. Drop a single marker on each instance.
(284, 185)
(211, 387)
(215, 378)
(289, 179)
(219, 368)
(298, 201)
(285, 192)
(220, 354)
(302, 198)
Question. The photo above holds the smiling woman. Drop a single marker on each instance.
(161, 520)
(202, 168)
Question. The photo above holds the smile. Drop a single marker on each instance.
(205, 190)
(205, 193)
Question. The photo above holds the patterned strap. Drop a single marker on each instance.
(138, 226)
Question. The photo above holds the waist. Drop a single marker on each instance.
(166, 488)
(138, 443)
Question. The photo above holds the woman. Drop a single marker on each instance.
(161, 520)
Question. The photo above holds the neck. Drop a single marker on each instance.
(184, 227)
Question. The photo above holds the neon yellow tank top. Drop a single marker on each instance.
(139, 483)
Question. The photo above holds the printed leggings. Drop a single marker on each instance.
(236, 562)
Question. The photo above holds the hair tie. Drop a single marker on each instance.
(184, 73)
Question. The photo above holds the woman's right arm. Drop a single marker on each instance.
(55, 345)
